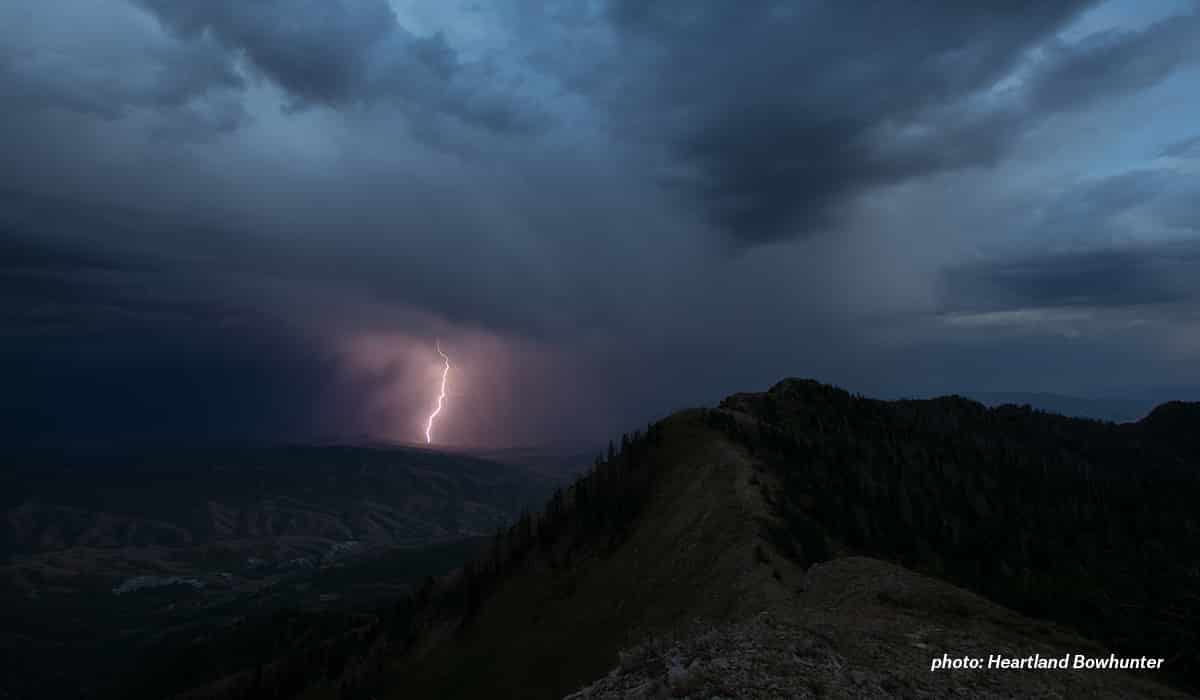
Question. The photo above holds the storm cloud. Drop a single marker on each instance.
(1160, 274)
(783, 114)
(267, 212)
(345, 52)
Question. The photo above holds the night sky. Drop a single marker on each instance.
(252, 219)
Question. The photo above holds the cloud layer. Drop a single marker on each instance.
(609, 210)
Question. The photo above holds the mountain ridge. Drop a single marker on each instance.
(873, 536)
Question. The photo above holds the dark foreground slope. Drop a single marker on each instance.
(743, 552)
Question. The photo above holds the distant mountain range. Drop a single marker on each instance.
(1113, 410)
(105, 558)
(1128, 406)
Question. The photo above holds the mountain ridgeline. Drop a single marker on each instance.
(1084, 522)
(842, 540)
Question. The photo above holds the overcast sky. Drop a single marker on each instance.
(253, 219)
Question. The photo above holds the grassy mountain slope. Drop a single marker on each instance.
(548, 627)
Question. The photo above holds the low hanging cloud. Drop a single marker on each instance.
(1162, 273)
(1112, 242)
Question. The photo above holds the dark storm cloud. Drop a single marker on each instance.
(186, 381)
(42, 256)
(42, 284)
(757, 188)
(315, 50)
(107, 339)
(97, 350)
(782, 106)
(101, 345)
(1148, 274)
(339, 52)
(1115, 61)
(1087, 268)
(190, 86)
(782, 114)
(242, 190)
(46, 291)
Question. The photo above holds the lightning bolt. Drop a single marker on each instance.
(441, 396)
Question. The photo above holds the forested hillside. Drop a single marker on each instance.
(1089, 523)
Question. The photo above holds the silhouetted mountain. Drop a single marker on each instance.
(1175, 421)
(802, 542)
